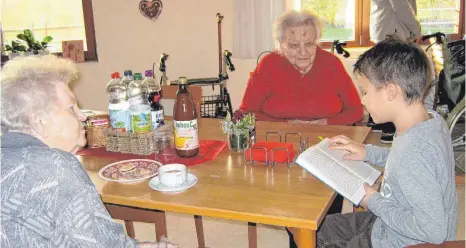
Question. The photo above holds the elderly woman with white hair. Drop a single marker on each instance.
(300, 82)
(47, 198)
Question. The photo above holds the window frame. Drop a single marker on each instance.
(88, 16)
(362, 26)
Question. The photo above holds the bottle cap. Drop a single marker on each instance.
(137, 76)
(182, 80)
(148, 73)
(128, 73)
(115, 75)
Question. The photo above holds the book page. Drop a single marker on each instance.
(359, 168)
(333, 174)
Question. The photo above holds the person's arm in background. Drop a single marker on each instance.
(405, 12)
(352, 111)
(258, 89)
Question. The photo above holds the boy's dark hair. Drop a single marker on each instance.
(398, 62)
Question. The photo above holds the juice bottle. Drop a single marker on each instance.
(185, 122)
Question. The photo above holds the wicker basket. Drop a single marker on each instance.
(134, 143)
(96, 123)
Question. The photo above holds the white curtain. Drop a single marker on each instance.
(253, 26)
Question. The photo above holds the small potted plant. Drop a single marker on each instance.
(238, 129)
(34, 46)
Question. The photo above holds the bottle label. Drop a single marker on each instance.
(118, 119)
(141, 122)
(186, 135)
(157, 119)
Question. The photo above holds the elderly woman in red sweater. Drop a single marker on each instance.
(300, 82)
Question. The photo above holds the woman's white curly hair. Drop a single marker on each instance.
(28, 89)
(297, 18)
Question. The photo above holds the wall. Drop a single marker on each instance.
(186, 30)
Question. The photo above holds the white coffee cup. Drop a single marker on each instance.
(173, 175)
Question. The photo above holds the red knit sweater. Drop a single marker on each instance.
(277, 91)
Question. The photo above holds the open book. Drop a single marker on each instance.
(344, 176)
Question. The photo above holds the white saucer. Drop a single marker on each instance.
(155, 184)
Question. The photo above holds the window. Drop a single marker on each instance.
(338, 17)
(349, 20)
(439, 16)
(61, 19)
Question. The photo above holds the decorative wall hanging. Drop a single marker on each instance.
(73, 49)
(151, 8)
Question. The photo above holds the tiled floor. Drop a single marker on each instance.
(232, 234)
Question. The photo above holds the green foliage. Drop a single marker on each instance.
(34, 45)
(241, 124)
(15, 47)
(327, 10)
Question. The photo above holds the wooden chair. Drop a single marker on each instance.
(129, 214)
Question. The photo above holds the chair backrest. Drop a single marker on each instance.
(169, 95)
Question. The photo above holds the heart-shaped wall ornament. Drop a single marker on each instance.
(151, 8)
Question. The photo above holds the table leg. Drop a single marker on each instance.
(160, 225)
(304, 238)
(130, 228)
(252, 235)
(199, 231)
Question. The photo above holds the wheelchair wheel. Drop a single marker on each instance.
(456, 124)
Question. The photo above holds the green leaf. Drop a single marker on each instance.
(20, 48)
(47, 39)
(28, 34)
(21, 37)
(9, 48)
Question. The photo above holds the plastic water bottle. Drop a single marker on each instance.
(139, 106)
(149, 84)
(141, 121)
(154, 94)
(128, 78)
(118, 104)
(135, 90)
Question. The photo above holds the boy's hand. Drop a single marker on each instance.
(369, 191)
(341, 142)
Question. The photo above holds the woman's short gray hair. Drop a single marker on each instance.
(295, 19)
(28, 89)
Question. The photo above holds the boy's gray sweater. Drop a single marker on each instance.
(417, 202)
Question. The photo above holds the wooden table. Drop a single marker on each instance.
(230, 188)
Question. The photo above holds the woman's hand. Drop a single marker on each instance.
(341, 142)
(318, 122)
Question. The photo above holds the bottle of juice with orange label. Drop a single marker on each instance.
(185, 122)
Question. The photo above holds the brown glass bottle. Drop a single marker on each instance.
(185, 127)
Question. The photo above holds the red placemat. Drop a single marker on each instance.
(208, 150)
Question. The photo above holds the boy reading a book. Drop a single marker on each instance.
(417, 202)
